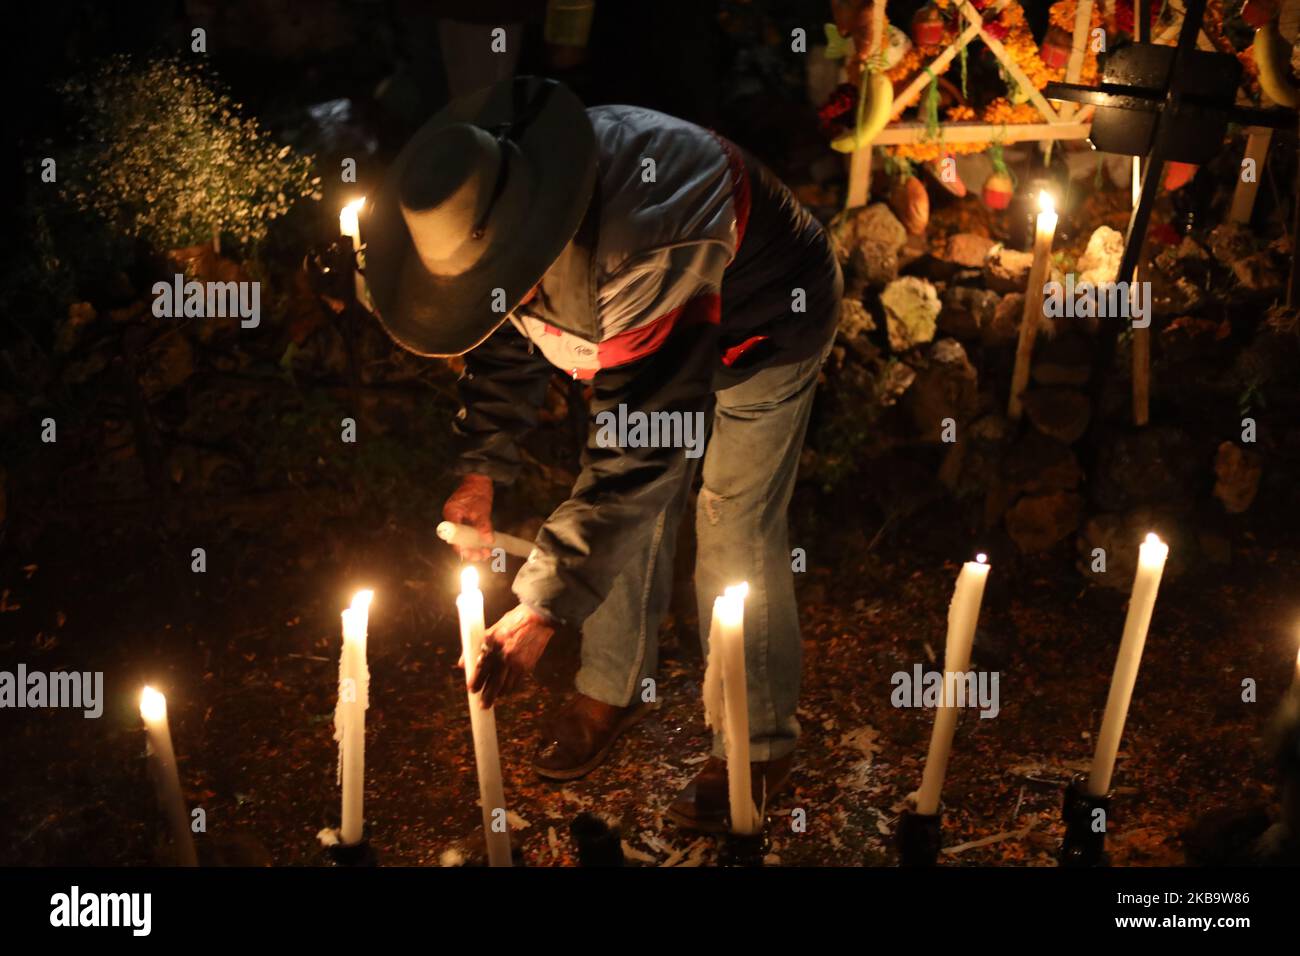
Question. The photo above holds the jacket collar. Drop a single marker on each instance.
(567, 299)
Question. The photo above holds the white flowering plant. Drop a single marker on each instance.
(164, 155)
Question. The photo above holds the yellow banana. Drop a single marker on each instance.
(1272, 58)
(875, 114)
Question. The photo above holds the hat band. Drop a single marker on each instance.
(498, 188)
(525, 113)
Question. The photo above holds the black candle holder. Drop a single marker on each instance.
(599, 842)
(919, 837)
(745, 849)
(481, 859)
(361, 853)
(1083, 844)
(329, 268)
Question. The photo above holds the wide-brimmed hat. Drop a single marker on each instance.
(475, 209)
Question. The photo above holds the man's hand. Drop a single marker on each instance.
(511, 648)
(471, 504)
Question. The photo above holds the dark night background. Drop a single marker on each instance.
(172, 437)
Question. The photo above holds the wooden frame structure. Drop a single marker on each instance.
(1061, 122)
(1057, 123)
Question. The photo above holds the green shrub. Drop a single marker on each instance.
(163, 155)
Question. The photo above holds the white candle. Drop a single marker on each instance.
(349, 222)
(463, 536)
(1151, 565)
(1034, 295)
(350, 226)
(963, 614)
(153, 708)
(729, 632)
(1047, 219)
(483, 723)
(350, 715)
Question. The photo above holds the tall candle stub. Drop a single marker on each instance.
(350, 715)
(463, 536)
(1151, 565)
(729, 632)
(963, 615)
(349, 221)
(1034, 295)
(162, 759)
(350, 226)
(483, 724)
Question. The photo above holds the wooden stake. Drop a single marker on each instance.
(1293, 282)
(1078, 50)
(860, 161)
(1029, 320)
(1141, 366)
(1243, 197)
(1141, 358)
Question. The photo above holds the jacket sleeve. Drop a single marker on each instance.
(501, 389)
(611, 511)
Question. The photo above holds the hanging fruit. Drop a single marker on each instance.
(1256, 13)
(997, 190)
(1178, 175)
(1274, 69)
(944, 171)
(996, 29)
(911, 204)
(999, 186)
(897, 46)
(927, 26)
(1056, 48)
(875, 99)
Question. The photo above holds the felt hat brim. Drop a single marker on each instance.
(438, 315)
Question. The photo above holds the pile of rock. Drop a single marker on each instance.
(935, 334)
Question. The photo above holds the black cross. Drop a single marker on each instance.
(1167, 103)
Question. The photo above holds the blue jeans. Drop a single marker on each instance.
(750, 466)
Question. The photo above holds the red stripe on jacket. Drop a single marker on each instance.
(741, 202)
(740, 196)
(639, 342)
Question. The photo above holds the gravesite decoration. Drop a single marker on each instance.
(941, 35)
(968, 408)
(1165, 104)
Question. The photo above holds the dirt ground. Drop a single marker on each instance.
(248, 658)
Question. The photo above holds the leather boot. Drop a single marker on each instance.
(705, 805)
(581, 736)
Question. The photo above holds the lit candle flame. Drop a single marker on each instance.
(469, 580)
(349, 218)
(982, 558)
(1153, 551)
(153, 705)
(739, 591)
(731, 609)
(361, 600)
(1046, 204)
